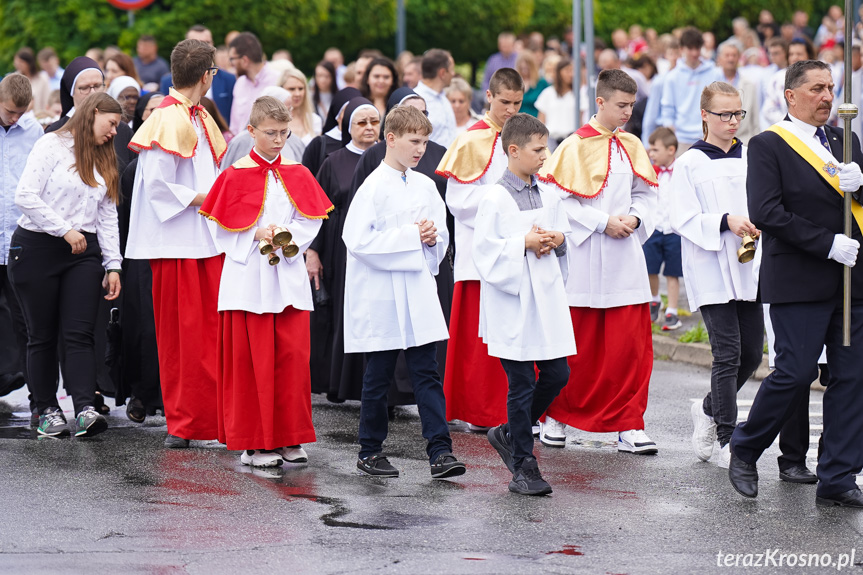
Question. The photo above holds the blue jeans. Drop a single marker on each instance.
(528, 398)
(428, 391)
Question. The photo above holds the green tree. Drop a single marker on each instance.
(663, 16)
(551, 17)
(468, 29)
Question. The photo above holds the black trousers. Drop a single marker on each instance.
(15, 352)
(59, 294)
(528, 398)
(802, 329)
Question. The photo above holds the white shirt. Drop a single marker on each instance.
(523, 311)
(440, 115)
(663, 200)
(248, 281)
(391, 297)
(559, 112)
(463, 201)
(773, 106)
(54, 200)
(606, 272)
(702, 190)
(163, 224)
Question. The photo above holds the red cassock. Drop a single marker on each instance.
(185, 299)
(609, 377)
(475, 383)
(265, 393)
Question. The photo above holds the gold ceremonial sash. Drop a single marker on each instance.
(828, 171)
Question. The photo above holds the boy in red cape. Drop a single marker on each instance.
(264, 393)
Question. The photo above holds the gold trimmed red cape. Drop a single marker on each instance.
(237, 198)
(170, 129)
(580, 165)
(469, 157)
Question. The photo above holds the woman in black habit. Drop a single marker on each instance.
(331, 139)
(326, 258)
(401, 393)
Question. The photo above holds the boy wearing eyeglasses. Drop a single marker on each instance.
(394, 248)
(179, 150)
(608, 186)
(264, 385)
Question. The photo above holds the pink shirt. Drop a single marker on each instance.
(246, 92)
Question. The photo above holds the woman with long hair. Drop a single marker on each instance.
(379, 82)
(305, 124)
(709, 212)
(120, 64)
(25, 63)
(326, 86)
(534, 83)
(556, 105)
(65, 250)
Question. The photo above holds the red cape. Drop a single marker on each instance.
(236, 200)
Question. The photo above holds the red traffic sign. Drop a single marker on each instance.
(130, 4)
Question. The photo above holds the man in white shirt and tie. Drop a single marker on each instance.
(438, 69)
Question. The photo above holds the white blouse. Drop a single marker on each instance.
(54, 200)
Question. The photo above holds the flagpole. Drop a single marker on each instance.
(847, 112)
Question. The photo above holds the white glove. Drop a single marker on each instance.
(844, 250)
(850, 177)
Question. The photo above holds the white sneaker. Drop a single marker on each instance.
(636, 441)
(477, 428)
(724, 456)
(258, 458)
(552, 433)
(704, 435)
(293, 454)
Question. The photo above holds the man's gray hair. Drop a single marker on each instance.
(795, 75)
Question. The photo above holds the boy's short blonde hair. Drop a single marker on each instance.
(267, 107)
(407, 120)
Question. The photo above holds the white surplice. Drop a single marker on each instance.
(249, 282)
(605, 272)
(391, 297)
(163, 224)
(702, 190)
(463, 201)
(523, 311)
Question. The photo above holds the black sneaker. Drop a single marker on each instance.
(52, 423)
(174, 442)
(446, 465)
(654, 311)
(89, 422)
(672, 322)
(135, 410)
(528, 481)
(498, 439)
(377, 466)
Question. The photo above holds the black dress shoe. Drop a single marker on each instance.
(9, 382)
(743, 476)
(797, 474)
(850, 498)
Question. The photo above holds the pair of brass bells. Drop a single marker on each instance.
(747, 250)
(282, 238)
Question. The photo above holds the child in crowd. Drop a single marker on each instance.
(608, 185)
(664, 245)
(519, 248)
(391, 304)
(264, 385)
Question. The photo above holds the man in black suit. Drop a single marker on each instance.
(793, 199)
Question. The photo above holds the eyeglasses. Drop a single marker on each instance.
(274, 135)
(132, 98)
(364, 123)
(214, 70)
(726, 116)
(90, 88)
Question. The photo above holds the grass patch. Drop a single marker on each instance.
(697, 334)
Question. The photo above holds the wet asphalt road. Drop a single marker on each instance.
(120, 503)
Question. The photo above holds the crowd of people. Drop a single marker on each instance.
(380, 231)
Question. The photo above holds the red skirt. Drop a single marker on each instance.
(185, 306)
(609, 377)
(475, 383)
(265, 386)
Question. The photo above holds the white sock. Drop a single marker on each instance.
(671, 310)
(657, 299)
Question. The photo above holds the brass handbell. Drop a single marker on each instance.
(265, 247)
(290, 250)
(747, 250)
(281, 237)
(274, 259)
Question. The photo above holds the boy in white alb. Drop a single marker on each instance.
(264, 394)
(180, 148)
(474, 382)
(391, 301)
(608, 185)
(520, 253)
